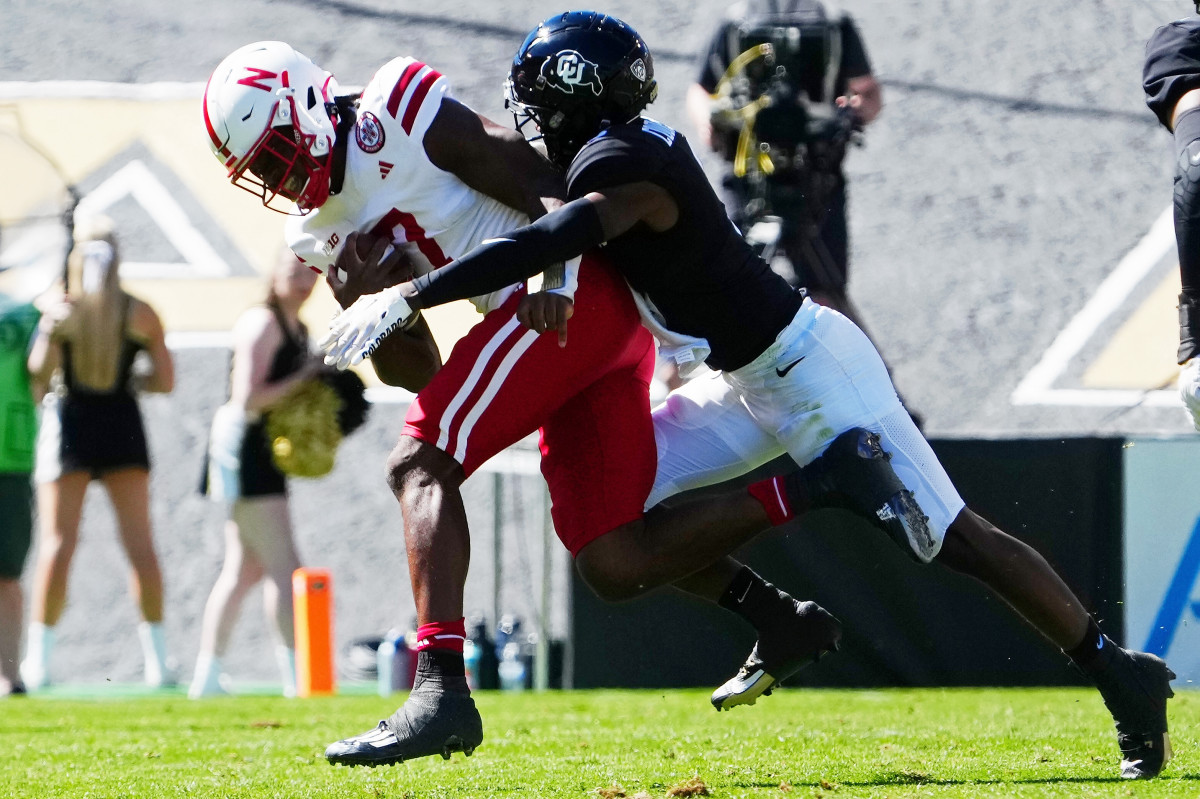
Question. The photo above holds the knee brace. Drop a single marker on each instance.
(1186, 202)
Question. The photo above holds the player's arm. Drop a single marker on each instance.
(409, 358)
(565, 233)
(493, 159)
(497, 161)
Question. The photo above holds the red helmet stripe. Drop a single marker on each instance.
(212, 133)
(418, 97)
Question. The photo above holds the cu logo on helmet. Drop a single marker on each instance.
(567, 69)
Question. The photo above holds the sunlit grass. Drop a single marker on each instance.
(797, 743)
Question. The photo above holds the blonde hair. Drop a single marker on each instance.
(94, 288)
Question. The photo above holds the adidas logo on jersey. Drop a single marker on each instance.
(384, 169)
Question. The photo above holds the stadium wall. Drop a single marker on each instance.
(906, 624)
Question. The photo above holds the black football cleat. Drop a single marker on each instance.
(430, 722)
(779, 653)
(1135, 687)
(855, 473)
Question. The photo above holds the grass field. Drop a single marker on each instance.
(797, 743)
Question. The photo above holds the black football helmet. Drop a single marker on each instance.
(574, 75)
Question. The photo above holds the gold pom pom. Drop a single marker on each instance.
(303, 430)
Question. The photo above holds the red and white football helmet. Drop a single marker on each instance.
(271, 121)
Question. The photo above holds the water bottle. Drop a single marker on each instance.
(391, 663)
(512, 668)
(472, 652)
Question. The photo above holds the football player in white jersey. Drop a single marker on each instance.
(789, 375)
(427, 175)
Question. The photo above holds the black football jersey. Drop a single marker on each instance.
(700, 274)
(1172, 66)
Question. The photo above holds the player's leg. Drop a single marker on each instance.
(621, 554)
(129, 491)
(1135, 685)
(628, 553)
(823, 394)
(500, 383)
(16, 500)
(1186, 204)
(240, 572)
(60, 508)
(265, 529)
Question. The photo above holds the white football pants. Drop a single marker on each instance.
(821, 377)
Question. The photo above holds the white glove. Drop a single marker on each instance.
(356, 332)
(1189, 389)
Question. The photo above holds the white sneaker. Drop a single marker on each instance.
(208, 680)
(35, 675)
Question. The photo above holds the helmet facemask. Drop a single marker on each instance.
(271, 116)
(562, 133)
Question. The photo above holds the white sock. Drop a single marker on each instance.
(154, 650)
(285, 656)
(35, 668)
(207, 679)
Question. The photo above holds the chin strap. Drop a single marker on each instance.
(347, 114)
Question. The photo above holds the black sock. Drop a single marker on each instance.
(1092, 652)
(754, 599)
(442, 666)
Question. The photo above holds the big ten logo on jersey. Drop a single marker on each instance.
(331, 243)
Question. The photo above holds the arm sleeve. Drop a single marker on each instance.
(524, 252)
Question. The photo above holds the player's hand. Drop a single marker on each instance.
(1189, 390)
(356, 332)
(369, 264)
(544, 311)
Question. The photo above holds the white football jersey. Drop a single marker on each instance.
(392, 189)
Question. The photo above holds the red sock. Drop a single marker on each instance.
(771, 495)
(442, 635)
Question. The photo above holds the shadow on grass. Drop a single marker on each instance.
(919, 778)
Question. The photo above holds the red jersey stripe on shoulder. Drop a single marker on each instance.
(418, 97)
(406, 77)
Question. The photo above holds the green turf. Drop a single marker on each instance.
(797, 743)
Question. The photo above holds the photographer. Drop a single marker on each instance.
(781, 116)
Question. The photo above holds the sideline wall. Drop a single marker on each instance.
(1117, 518)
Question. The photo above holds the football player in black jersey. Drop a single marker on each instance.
(1171, 78)
(789, 375)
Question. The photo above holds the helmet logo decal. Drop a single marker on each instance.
(567, 69)
(638, 68)
(369, 133)
(257, 75)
